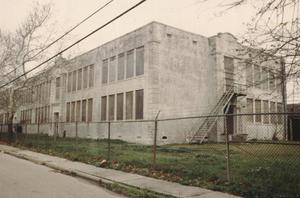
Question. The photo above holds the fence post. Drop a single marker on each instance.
(155, 140)
(227, 149)
(108, 141)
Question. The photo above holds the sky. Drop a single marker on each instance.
(205, 17)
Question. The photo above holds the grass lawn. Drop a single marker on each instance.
(256, 169)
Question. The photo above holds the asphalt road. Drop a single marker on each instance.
(23, 179)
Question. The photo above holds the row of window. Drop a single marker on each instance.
(80, 111)
(26, 116)
(264, 106)
(261, 78)
(39, 93)
(123, 66)
(122, 106)
(4, 117)
(80, 79)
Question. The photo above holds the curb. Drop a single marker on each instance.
(76, 173)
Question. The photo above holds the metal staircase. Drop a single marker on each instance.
(209, 121)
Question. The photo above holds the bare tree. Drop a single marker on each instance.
(19, 49)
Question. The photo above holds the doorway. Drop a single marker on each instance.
(56, 121)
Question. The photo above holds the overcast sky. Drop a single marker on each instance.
(199, 16)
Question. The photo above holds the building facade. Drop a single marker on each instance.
(156, 68)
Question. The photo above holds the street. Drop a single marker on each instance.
(21, 178)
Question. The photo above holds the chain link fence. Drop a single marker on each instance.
(250, 155)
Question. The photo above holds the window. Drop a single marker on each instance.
(139, 104)
(112, 69)
(129, 64)
(258, 110)
(104, 71)
(266, 110)
(78, 110)
(121, 66)
(249, 74)
(139, 61)
(68, 112)
(111, 107)
(250, 108)
(79, 81)
(83, 111)
(129, 105)
(85, 77)
(273, 110)
(103, 107)
(272, 85)
(90, 110)
(74, 81)
(257, 77)
(91, 76)
(73, 111)
(120, 101)
(264, 79)
(57, 88)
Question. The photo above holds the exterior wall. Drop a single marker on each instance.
(183, 76)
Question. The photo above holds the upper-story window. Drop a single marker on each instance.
(129, 64)
(85, 77)
(91, 75)
(74, 79)
(112, 69)
(104, 71)
(121, 66)
(69, 82)
(139, 61)
(79, 81)
(57, 88)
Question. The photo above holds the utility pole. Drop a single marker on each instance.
(283, 92)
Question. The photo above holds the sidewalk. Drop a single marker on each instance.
(97, 174)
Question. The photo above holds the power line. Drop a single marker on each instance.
(78, 41)
(62, 36)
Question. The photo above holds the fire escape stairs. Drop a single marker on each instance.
(209, 121)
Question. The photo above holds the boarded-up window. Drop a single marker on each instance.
(90, 110)
(129, 64)
(257, 110)
(103, 107)
(111, 107)
(139, 61)
(249, 74)
(120, 100)
(78, 110)
(73, 111)
(139, 104)
(67, 114)
(104, 71)
(57, 88)
(121, 66)
(257, 77)
(250, 109)
(129, 105)
(74, 81)
(273, 110)
(83, 111)
(85, 77)
(266, 110)
(91, 76)
(112, 69)
(79, 81)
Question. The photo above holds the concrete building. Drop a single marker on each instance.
(156, 68)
